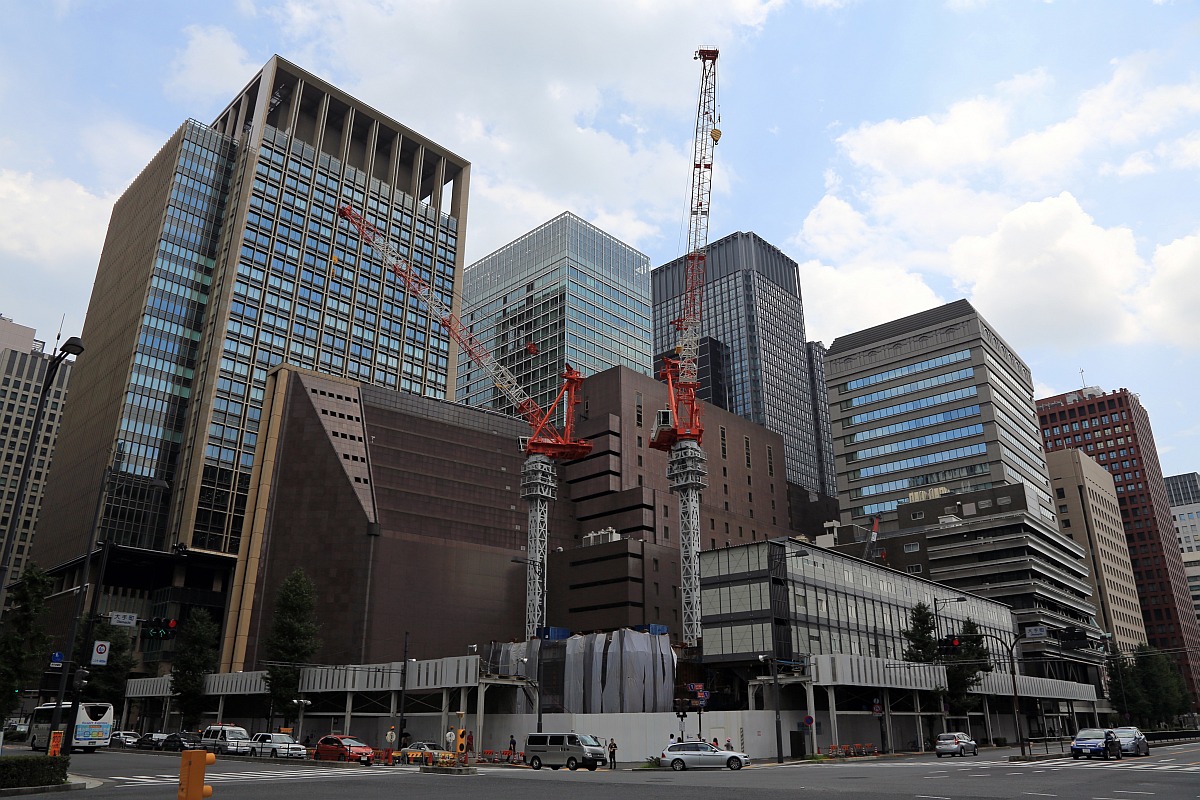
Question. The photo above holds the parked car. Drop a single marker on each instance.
(183, 740)
(1133, 741)
(338, 747)
(276, 745)
(16, 731)
(696, 755)
(227, 739)
(125, 738)
(1096, 742)
(955, 744)
(570, 750)
(150, 741)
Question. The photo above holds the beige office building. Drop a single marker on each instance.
(1088, 512)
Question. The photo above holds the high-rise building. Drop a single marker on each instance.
(753, 308)
(1184, 493)
(226, 257)
(23, 364)
(1114, 428)
(564, 293)
(1089, 513)
(931, 404)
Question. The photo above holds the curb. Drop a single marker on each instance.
(24, 790)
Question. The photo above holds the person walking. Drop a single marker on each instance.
(728, 744)
(450, 739)
(470, 744)
(715, 745)
(612, 753)
(512, 747)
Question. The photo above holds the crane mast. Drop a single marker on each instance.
(543, 447)
(679, 429)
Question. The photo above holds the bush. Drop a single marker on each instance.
(21, 771)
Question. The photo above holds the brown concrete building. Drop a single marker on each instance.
(1088, 512)
(406, 512)
(1114, 428)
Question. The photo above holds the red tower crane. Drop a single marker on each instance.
(545, 444)
(679, 429)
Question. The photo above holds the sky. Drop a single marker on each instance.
(1040, 159)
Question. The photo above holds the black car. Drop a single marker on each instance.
(184, 740)
(151, 741)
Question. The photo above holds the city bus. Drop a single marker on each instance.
(93, 726)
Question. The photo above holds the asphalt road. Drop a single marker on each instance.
(1169, 773)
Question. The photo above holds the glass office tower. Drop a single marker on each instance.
(752, 306)
(564, 293)
(223, 259)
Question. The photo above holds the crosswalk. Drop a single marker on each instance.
(300, 774)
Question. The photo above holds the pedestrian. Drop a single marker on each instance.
(450, 737)
(715, 745)
(470, 741)
(612, 753)
(308, 740)
(672, 739)
(512, 747)
(728, 743)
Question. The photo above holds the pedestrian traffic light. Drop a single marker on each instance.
(462, 742)
(191, 774)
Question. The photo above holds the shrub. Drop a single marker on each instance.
(22, 771)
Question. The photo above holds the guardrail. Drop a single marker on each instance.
(1049, 744)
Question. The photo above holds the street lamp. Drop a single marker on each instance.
(71, 347)
(1012, 671)
(938, 602)
(537, 683)
(301, 704)
(774, 662)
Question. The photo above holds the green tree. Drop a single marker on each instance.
(24, 643)
(195, 657)
(1125, 691)
(292, 642)
(1164, 691)
(921, 635)
(107, 683)
(965, 668)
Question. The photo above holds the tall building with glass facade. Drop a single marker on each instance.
(225, 258)
(1184, 493)
(752, 307)
(23, 365)
(564, 293)
(931, 404)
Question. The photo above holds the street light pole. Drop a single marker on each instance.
(71, 347)
(938, 602)
(1012, 671)
(778, 724)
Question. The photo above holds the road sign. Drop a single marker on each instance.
(809, 721)
(56, 658)
(100, 654)
(699, 703)
(877, 708)
(695, 687)
(703, 695)
(1037, 632)
(125, 619)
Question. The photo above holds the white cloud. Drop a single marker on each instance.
(1183, 153)
(53, 222)
(1139, 163)
(839, 300)
(1049, 276)
(1170, 300)
(119, 150)
(211, 67)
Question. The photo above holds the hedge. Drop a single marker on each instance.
(22, 771)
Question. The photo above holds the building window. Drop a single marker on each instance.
(912, 547)
(1060, 493)
(913, 569)
(918, 515)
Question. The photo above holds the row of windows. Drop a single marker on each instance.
(920, 441)
(913, 424)
(919, 461)
(908, 369)
(909, 388)
(913, 405)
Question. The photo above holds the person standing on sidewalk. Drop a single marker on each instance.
(612, 753)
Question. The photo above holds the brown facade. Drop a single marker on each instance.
(406, 512)
(1115, 429)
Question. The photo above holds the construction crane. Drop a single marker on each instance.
(679, 429)
(543, 447)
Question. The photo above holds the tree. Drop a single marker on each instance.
(195, 657)
(1125, 691)
(107, 683)
(1163, 689)
(292, 642)
(965, 668)
(24, 643)
(921, 635)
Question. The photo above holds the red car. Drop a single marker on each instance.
(337, 747)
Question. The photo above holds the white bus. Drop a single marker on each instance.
(93, 727)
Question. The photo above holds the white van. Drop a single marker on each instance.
(226, 739)
(570, 750)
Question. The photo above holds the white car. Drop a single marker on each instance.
(125, 738)
(694, 755)
(955, 744)
(276, 745)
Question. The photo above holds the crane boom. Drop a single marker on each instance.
(546, 439)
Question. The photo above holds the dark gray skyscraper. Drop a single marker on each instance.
(753, 309)
(223, 259)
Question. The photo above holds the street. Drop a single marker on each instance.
(1169, 773)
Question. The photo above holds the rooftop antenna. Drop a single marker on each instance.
(1082, 382)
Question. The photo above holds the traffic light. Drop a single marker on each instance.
(160, 628)
(949, 645)
(169, 628)
(81, 678)
(462, 743)
(191, 774)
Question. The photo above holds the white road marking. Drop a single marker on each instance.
(1040, 794)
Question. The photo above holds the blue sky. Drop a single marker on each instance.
(1040, 159)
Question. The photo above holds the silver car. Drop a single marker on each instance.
(695, 755)
(276, 745)
(1133, 742)
(955, 744)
